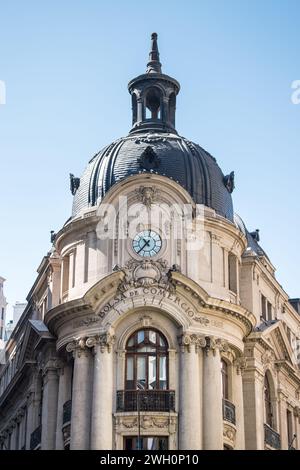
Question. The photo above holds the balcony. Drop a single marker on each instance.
(145, 400)
(67, 408)
(228, 411)
(35, 438)
(272, 438)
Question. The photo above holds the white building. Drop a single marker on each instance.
(169, 331)
(3, 305)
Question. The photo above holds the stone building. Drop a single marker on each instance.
(160, 338)
(3, 305)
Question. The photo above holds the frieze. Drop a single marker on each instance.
(153, 296)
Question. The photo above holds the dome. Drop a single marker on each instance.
(166, 154)
(153, 145)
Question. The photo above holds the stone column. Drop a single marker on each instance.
(81, 395)
(33, 406)
(64, 394)
(49, 406)
(102, 401)
(13, 439)
(238, 400)
(212, 395)
(190, 435)
(253, 408)
(282, 420)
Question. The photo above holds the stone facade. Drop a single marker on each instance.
(228, 339)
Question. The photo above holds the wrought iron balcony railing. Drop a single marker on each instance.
(228, 411)
(35, 438)
(67, 408)
(272, 438)
(145, 400)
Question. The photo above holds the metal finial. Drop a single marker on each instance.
(154, 65)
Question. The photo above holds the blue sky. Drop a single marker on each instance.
(66, 66)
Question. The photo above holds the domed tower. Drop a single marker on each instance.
(154, 146)
(159, 303)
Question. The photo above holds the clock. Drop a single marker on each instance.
(147, 243)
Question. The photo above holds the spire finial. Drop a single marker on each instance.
(154, 66)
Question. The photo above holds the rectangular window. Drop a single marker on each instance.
(152, 372)
(129, 374)
(65, 280)
(269, 308)
(163, 373)
(145, 443)
(289, 422)
(141, 373)
(264, 307)
(232, 273)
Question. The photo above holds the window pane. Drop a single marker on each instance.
(152, 336)
(147, 349)
(163, 373)
(152, 372)
(141, 373)
(141, 336)
(129, 375)
(161, 341)
(131, 342)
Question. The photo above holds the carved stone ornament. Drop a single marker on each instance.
(77, 347)
(229, 434)
(229, 182)
(147, 195)
(241, 364)
(147, 422)
(268, 358)
(105, 341)
(149, 160)
(146, 273)
(212, 344)
(187, 340)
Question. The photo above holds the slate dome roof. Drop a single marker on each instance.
(153, 145)
(163, 153)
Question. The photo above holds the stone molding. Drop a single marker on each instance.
(78, 348)
(156, 422)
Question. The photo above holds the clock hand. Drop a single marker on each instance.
(146, 244)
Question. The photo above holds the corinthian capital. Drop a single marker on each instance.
(77, 347)
(240, 364)
(213, 344)
(187, 340)
(105, 341)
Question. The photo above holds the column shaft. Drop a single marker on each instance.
(64, 394)
(81, 400)
(190, 398)
(49, 409)
(212, 401)
(101, 436)
(239, 408)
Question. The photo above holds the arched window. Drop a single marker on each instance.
(224, 372)
(268, 402)
(146, 361)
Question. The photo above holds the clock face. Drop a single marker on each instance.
(147, 243)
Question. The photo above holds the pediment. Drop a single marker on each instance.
(35, 331)
(276, 337)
